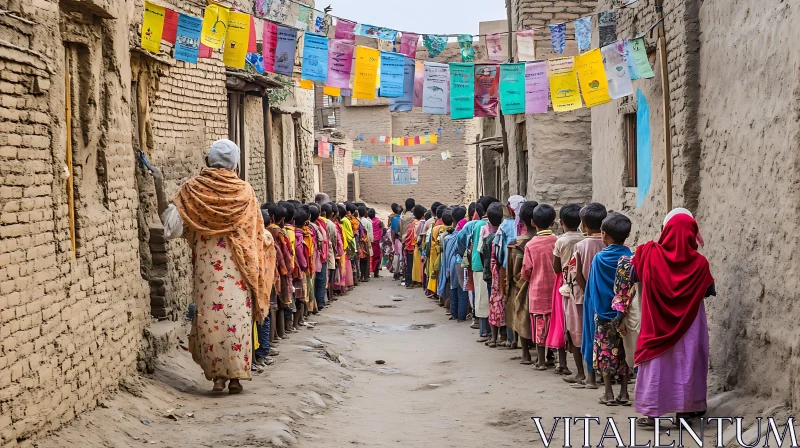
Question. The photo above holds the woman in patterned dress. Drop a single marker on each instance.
(234, 263)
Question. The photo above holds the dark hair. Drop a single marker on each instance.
(480, 210)
(314, 212)
(570, 215)
(440, 211)
(410, 204)
(295, 202)
(428, 215)
(300, 217)
(544, 216)
(327, 209)
(289, 210)
(471, 209)
(495, 213)
(394, 206)
(617, 226)
(435, 206)
(419, 212)
(276, 212)
(458, 214)
(371, 213)
(342, 211)
(350, 207)
(320, 197)
(362, 211)
(447, 216)
(592, 215)
(486, 201)
(526, 212)
(265, 216)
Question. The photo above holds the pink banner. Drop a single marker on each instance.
(494, 47)
(252, 46)
(269, 45)
(536, 88)
(419, 82)
(408, 44)
(345, 30)
(486, 83)
(340, 63)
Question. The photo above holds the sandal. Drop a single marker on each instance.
(219, 385)
(526, 363)
(622, 402)
(491, 344)
(607, 403)
(562, 371)
(235, 388)
(645, 422)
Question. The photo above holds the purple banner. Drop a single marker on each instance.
(536, 88)
(408, 44)
(486, 82)
(340, 63)
(345, 30)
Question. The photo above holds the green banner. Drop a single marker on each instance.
(512, 88)
(462, 90)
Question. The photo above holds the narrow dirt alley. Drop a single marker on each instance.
(437, 388)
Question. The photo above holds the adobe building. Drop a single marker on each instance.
(84, 265)
(734, 137)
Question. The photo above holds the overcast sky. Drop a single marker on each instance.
(421, 16)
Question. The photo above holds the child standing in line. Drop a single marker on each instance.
(570, 215)
(608, 350)
(592, 216)
(537, 270)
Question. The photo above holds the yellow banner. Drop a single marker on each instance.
(237, 39)
(215, 24)
(564, 85)
(307, 84)
(366, 73)
(152, 27)
(332, 91)
(592, 76)
(434, 139)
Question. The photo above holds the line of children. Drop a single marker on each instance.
(527, 287)
(319, 253)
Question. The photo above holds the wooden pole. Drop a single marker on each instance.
(662, 55)
(70, 184)
(268, 148)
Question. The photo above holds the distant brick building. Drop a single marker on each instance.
(451, 181)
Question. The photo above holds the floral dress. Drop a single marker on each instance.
(222, 331)
(497, 303)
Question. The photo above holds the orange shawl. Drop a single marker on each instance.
(218, 203)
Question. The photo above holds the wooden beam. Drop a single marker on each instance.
(68, 161)
(662, 55)
(268, 147)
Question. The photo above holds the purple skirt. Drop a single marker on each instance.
(676, 381)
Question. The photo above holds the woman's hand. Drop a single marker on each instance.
(158, 176)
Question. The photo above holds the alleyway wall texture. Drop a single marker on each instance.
(70, 323)
(735, 161)
(549, 157)
(73, 323)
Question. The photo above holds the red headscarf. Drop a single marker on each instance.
(675, 278)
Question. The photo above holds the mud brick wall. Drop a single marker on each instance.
(735, 166)
(69, 329)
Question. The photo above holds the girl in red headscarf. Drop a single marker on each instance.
(672, 349)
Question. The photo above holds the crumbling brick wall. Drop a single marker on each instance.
(69, 327)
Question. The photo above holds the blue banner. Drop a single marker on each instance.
(315, 58)
(406, 102)
(284, 51)
(187, 40)
(392, 74)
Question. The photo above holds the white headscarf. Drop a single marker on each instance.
(223, 154)
(515, 202)
(682, 211)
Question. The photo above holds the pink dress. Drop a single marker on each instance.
(497, 304)
(537, 269)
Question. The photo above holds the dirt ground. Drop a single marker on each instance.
(437, 388)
